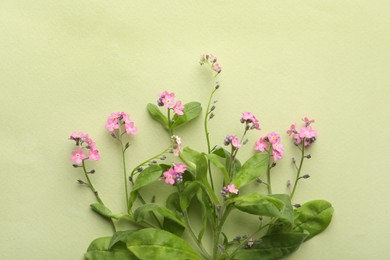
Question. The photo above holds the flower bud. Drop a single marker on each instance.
(297, 205)
(81, 182)
(140, 169)
(211, 116)
(92, 171)
(306, 176)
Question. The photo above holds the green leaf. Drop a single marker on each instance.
(190, 189)
(106, 212)
(99, 250)
(156, 114)
(146, 177)
(191, 111)
(258, 204)
(140, 212)
(273, 246)
(150, 243)
(205, 212)
(286, 221)
(313, 217)
(173, 203)
(223, 153)
(214, 160)
(118, 237)
(253, 168)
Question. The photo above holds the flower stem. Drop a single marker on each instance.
(269, 173)
(170, 123)
(299, 169)
(124, 169)
(192, 233)
(94, 191)
(206, 119)
(218, 230)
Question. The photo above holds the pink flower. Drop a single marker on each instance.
(166, 99)
(249, 118)
(78, 156)
(170, 176)
(76, 135)
(307, 121)
(307, 132)
(228, 190)
(261, 144)
(179, 168)
(276, 155)
(292, 129)
(94, 155)
(217, 68)
(112, 124)
(178, 108)
(130, 128)
(236, 143)
(273, 138)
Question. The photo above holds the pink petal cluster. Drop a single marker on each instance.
(212, 61)
(176, 145)
(168, 100)
(83, 141)
(115, 120)
(250, 120)
(234, 141)
(306, 133)
(174, 174)
(229, 189)
(271, 140)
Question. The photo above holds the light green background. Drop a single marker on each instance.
(67, 64)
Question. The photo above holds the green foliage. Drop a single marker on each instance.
(191, 111)
(252, 169)
(223, 153)
(140, 213)
(313, 217)
(258, 204)
(156, 244)
(155, 113)
(285, 222)
(272, 247)
(100, 249)
(173, 203)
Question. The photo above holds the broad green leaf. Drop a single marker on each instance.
(197, 164)
(140, 213)
(99, 250)
(258, 204)
(205, 212)
(106, 212)
(190, 189)
(214, 160)
(313, 217)
(223, 153)
(119, 236)
(252, 169)
(191, 111)
(156, 114)
(150, 243)
(286, 221)
(173, 203)
(147, 176)
(273, 246)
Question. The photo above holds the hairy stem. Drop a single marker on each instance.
(299, 169)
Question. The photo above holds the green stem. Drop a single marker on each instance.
(299, 169)
(269, 173)
(194, 237)
(94, 191)
(218, 230)
(134, 171)
(169, 123)
(206, 119)
(124, 169)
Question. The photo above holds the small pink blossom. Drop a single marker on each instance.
(176, 145)
(292, 129)
(76, 135)
(179, 168)
(169, 176)
(78, 156)
(236, 143)
(249, 118)
(94, 155)
(111, 125)
(261, 144)
(308, 121)
(307, 132)
(217, 68)
(276, 155)
(273, 138)
(178, 108)
(167, 99)
(130, 128)
(228, 190)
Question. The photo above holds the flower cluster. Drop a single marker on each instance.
(212, 60)
(272, 140)
(250, 120)
(176, 145)
(174, 174)
(305, 133)
(115, 120)
(228, 190)
(234, 141)
(83, 141)
(168, 100)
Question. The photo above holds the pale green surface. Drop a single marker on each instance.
(66, 64)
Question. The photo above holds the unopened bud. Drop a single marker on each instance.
(217, 86)
(288, 184)
(306, 176)
(113, 136)
(211, 116)
(92, 171)
(259, 180)
(162, 158)
(245, 141)
(212, 108)
(308, 156)
(297, 205)
(215, 101)
(153, 199)
(81, 182)
(130, 179)
(75, 165)
(273, 164)
(127, 145)
(140, 169)
(293, 160)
